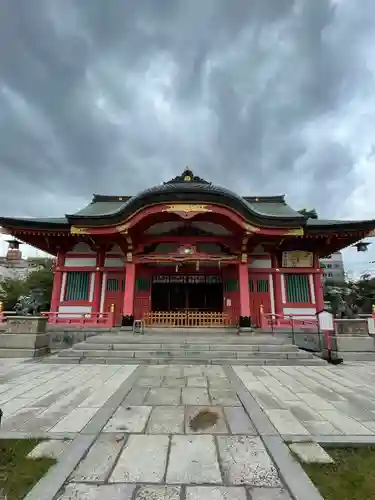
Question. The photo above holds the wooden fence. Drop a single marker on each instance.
(192, 319)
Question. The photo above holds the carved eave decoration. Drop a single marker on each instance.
(198, 257)
(187, 176)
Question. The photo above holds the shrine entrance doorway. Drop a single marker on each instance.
(189, 292)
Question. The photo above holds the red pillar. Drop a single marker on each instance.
(319, 291)
(100, 257)
(57, 282)
(129, 290)
(318, 285)
(243, 278)
(277, 286)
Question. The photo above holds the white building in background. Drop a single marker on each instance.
(13, 265)
(333, 267)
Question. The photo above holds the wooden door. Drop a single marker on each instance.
(114, 294)
(142, 295)
(259, 286)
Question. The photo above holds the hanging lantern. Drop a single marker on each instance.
(197, 265)
(219, 263)
(176, 268)
(361, 246)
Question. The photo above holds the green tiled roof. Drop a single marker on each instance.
(58, 221)
(100, 208)
(270, 209)
(318, 223)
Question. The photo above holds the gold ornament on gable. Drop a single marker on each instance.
(78, 230)
(294, 232)
(188, 208)
(123, 228)
(249, 228)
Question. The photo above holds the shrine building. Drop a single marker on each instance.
(186, 253)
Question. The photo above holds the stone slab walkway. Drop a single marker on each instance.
(326, 404)
(182, 432)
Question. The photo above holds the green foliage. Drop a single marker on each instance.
(309, 214)
(37, 284)
(40, 281)
(11, 290)
(351, 297)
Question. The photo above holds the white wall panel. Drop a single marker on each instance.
(82, 248)
(298, 311)
(80, 262)
(92, 285)
(63, 285)
(114, 262)
(283, 290)
(74, 311)
(102, 295)
(312, 289)
(272, 293)
(260, 264)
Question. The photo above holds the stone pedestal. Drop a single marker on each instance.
(24, 337)
(27, 324)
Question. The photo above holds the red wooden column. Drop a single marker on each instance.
(243, 279)
(128, 309)
(318, 285)
(100, 257)
(277, 286)
(57, 282)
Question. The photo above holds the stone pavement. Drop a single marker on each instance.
(176, 432)
(326, 404)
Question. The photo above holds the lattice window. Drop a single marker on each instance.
(262, 286)
(231, 285)
(297, 288)
(113, 285)
(251, 285)
(142, 285)
(77, 285)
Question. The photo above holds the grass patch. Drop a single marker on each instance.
(351, 477)
(17, 473)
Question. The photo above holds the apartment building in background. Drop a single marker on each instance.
(333, 267)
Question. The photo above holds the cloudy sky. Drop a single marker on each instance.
(264, 97)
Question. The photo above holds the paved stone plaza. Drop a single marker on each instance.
(176, 432)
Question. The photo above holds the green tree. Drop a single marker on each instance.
(351, 296)
(11, 289)
(363, 293)
(39, 282)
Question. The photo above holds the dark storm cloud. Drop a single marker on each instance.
(114, 96)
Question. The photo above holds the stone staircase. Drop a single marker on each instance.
(205, 347)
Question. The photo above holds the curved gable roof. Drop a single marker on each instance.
(191, 189)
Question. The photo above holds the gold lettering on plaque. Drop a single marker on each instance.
(298, 258)
(187, 208)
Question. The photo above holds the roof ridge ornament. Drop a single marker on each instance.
(187, 176)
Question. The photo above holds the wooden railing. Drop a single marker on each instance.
(192, 319)
(104, 319)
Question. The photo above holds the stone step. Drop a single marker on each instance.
(204, 355)
(185, 347)
(212, 340)
(187, 361)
